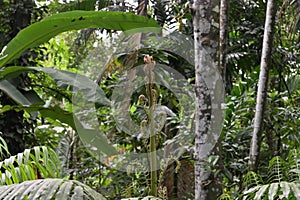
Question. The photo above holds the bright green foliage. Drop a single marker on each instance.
(49, 27)
(30, 165)
(278, 174)
(3, 148)
(282, 181)
(20, 178)
(49, 189)
(145, 198)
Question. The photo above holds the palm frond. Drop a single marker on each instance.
(3, 147)
(294, 163)
(277, 168)
(283, 180)
(287, 190)
(160, 11)
(39, 161)
(252, 179)
(49, 189)
(290, 13)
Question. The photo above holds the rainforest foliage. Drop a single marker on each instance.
(77, 90)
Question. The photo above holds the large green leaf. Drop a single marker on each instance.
(14, 93)
(79, 82)
(82, 5)
(49, 27)
(49, 189)
(82, 83)
(92, 137)
(12, 72)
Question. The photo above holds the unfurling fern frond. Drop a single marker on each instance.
(49, 189)
(38, 162)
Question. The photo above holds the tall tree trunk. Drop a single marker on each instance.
(224, 6)
(208, 92)
(262, 85)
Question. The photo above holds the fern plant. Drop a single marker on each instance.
(283, 181)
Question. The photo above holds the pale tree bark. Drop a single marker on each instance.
(224, 6)
(208, 93)
(262, 85)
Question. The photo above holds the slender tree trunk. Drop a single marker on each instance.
(207, 131)
(224, 6)
(262, 85)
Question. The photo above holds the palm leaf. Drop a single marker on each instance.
(259, 194)
(294, 165)
(38, 161)
(49, 189)
(277, 183)
(252, 179)
(277, 168)
(273, 189)
(3, 147)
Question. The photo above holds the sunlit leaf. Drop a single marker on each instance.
(49, 27)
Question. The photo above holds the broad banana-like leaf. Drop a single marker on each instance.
(89, 89)
(79, 82)
(91, 136)
(49, 189)
(49, 27)
(14, 93)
